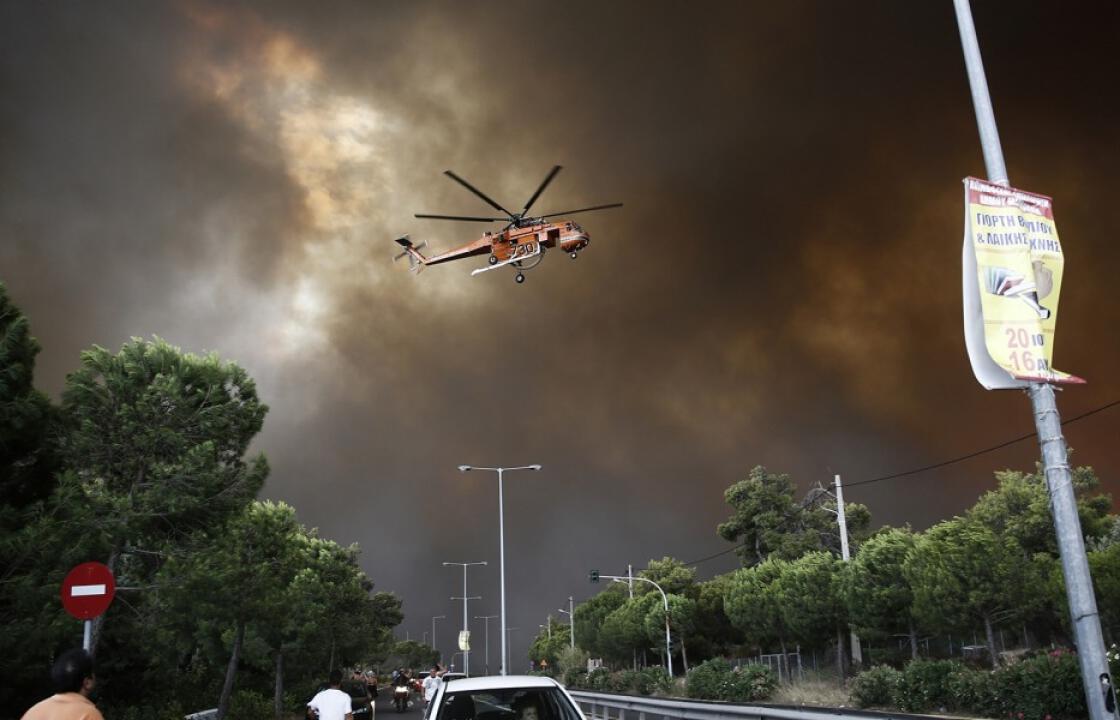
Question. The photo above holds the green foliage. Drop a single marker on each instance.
(924, 685)
(571, 659)
(713, 634)
(411, 654)
(576, 677)
(624, 630)
(875, 687)
(753, 604)
(1019, 508)
(549, 646)
(808, 596)
(603, 680)
(251, 704)
(717, 680)
(875, 592)
(767, 520)
(1104, 565)
(646, 681)
(590, 615)
(1036, 688)
(961, 573)
(1040, 686)
(674, 577)
(26, 460)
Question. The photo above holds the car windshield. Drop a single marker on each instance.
(507, 704)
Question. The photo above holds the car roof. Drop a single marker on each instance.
(499, 682)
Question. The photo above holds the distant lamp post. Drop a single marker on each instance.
(465, 598)
(570, 612)
(437, 617)
(502, 548)
(487, 618)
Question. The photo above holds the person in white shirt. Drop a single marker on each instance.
(332, 703)
(431, 684)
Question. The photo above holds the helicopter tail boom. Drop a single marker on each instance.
(416, 259)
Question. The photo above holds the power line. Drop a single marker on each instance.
(971, 455)
(934, 466)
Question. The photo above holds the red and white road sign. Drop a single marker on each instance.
(88, 590)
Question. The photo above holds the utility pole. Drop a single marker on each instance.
(466, 628)
(487, 618)
(630, 584)
(437, 617)
(570, 612)
(857, 650)
(1095, 678)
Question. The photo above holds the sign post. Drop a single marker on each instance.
(87, 591)
(1015, 289)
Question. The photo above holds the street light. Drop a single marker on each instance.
(502, 547)
(570, 612)
(665, 599)
(487, 618)
(508, 652)
(465, 598)
(437, 617)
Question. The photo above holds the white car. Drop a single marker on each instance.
(512, 697)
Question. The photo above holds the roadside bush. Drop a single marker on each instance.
(924, 685)
(602, 680)
(649, 681)
(705, 681)
(970, 689)
(575, 677)
(1039, 687)
(250, 704)
(875, 687)
(1044, 687)
(752, 682)
(717, 680)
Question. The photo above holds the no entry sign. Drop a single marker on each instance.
(88, 590)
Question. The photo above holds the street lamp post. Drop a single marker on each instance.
(437, 617)
(465, 598)
(665, 599)
(487, 618)
(508, 651)
(502, 548)
(570, 612)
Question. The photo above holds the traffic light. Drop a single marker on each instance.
(593, 576)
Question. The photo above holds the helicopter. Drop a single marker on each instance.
(520, 244)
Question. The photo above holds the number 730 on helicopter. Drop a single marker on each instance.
(520, 244)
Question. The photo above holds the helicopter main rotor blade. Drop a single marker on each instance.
(587, 209)
(537, 194)
(460, 217)
(477, 192)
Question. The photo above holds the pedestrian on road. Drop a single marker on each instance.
(74, 682)
(332, 703)
(431, 684)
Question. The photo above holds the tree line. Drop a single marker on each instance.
(144, 465)
(995, 566)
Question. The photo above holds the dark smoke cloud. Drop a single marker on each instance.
(781, 287)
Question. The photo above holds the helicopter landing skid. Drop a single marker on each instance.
(517, 257)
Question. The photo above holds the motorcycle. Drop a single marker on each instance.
(400, 697)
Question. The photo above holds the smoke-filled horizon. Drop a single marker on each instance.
(780, 288)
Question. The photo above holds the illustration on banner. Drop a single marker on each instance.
(1012, 278)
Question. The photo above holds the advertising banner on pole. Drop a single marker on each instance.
(465, 640)
(1011, 276)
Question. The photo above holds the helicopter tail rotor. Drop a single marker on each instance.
(416, 259)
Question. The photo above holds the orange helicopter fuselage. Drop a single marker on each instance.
(514, 241)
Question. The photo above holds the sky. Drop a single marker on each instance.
(781, 286)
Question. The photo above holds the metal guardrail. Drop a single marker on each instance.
(202, 715)
(599, 706)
